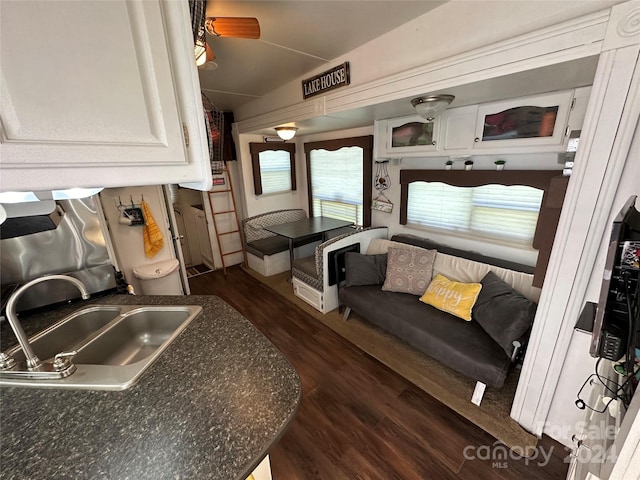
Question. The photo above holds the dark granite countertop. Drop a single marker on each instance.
(210, 407)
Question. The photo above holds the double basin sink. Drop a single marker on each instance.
(115, 344)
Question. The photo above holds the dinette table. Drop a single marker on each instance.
(305, 228)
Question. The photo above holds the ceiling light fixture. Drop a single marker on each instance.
(286, 133)
(205, 57)
(431, 106)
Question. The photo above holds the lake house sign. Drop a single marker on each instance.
(335, 78)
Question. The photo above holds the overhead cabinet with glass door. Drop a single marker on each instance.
(99, 94)
(533, 124)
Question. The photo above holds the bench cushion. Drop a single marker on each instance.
(304, 269)
(277, 244)
(268, 246)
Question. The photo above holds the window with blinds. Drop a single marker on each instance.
(273, 167)
(337, 180)
(275, 171)
(506, 213)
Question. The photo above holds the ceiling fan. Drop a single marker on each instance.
(235, 27)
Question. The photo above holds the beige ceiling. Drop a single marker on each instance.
(297, 36)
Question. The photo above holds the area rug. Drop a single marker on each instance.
(448, 386)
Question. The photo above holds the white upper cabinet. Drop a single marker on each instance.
(406, 136)
(99, 94)
(523, 122)
(534, 124)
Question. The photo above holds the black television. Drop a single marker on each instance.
(615, 330)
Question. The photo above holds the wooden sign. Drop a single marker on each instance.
(335, 78)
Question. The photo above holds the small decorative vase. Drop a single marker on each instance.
(447, 166)
(500, 166)
(468, 167)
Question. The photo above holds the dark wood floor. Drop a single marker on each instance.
(358, 419)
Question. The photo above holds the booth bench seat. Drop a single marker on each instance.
(268, 253)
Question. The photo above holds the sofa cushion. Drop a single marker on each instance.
(452, 297)
(463, 346)
(364, 269)
(408, 270)
(467, 271)
(502, 312)
(378, 246)
(470, 255)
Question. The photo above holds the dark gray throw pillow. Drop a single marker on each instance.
(364, 269)
(503, 313)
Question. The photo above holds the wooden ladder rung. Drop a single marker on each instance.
(219, 191)
(231, 253)
(226, 211)
(228, 233)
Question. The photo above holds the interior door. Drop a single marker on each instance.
(175, 238)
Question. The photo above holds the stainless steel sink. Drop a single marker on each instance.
(70, 333)
(115, 344)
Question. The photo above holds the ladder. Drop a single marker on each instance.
(228, 190)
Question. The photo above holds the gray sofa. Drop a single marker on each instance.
(483, 348)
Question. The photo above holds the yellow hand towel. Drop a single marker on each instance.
(152, 235)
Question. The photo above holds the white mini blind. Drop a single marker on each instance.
(336, 183)
(508, 213)
(275, 171)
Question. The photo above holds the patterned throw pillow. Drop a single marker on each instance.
(452, 297)
(409, 270)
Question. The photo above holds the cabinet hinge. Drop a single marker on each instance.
(185, 131)
(573, 103)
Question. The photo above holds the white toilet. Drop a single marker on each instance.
(160, 278)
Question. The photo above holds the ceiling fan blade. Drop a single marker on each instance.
(238, 27)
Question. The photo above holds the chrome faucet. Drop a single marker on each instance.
(32, 360)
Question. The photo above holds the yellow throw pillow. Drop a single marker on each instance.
(452, 297)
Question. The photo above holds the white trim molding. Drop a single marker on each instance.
(571, 40)
(610, 123)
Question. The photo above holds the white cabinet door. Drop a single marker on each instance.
(458, 128)
(99, 94)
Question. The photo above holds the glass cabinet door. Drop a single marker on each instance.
(539, 120)
(411, 134)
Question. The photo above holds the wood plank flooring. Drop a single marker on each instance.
(358, 419)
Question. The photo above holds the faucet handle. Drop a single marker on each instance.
(62, 360)
(6, 361)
